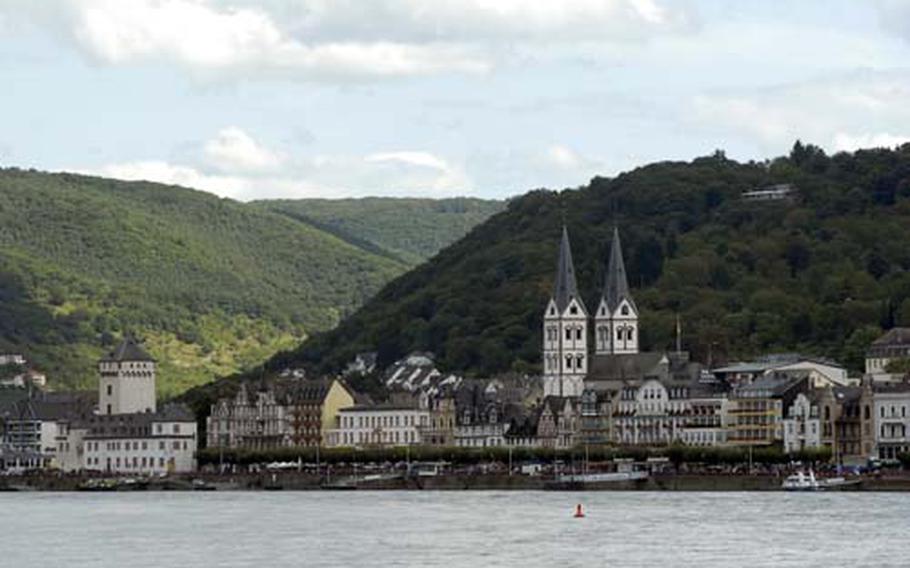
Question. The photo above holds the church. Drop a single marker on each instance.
(567, 358)
(625, 395)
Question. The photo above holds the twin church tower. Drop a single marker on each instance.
(566, 355)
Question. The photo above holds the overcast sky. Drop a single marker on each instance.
(335, 98)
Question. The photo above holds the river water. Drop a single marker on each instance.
(476, 529)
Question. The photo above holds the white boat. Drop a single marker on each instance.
(800, 481)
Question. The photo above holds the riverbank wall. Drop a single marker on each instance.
(294, 481)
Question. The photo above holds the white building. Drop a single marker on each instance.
(892, 419)
(893, 345)
(127, 382)
(616, 319)
(71, 432)
(802, 424)
(140, 443)
(378, 426)
(565, 331)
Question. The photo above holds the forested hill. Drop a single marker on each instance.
(210, 285)
(411, 230)
(820, 275)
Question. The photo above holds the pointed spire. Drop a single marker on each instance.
(566, 287)
(616, 286)
(128, 350)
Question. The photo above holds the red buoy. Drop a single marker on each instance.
(579, 513)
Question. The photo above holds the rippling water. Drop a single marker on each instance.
(622, 529)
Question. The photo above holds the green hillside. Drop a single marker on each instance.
(821, 275)
(211, 285)
(412, 230)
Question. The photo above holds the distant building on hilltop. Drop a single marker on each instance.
(778, 192)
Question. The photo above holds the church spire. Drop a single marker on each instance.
(566, 287)
(616, 286)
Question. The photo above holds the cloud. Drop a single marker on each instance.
(417, 168)
(848, 142)
(234, 150)
(171, 174)
(237, 166)
(563, 157)
(895, 17)
(338, 39)
(841, 112)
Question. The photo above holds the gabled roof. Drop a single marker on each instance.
(616, 285)
(895, 336)
(566, 287)
(128, 350)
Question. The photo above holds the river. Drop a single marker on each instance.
(477, 529)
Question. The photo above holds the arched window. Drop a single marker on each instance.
(629, 334)
(568, 361)
(579, 361)
(625, 310)
(578, 333)
(619, 335)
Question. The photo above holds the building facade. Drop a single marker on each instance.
(565, 331)
(892, 419)
(892, 346)
(802, 424)
(283, 412)
(379, 426)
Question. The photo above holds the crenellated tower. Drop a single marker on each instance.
(616, 319)
(565, 331)
(127, 382)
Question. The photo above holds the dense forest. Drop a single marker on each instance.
(822, 274)
(210, 285)
(411, 230)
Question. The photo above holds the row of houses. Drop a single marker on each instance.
(797, 403)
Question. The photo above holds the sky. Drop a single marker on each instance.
(486, 98)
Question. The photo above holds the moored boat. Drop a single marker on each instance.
(800, 481)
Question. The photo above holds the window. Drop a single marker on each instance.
(110, 390)
(578, 333)
(176, 428)
(619, 335)
(573, 310)
(568, 361)
(629, 334)
(625, 310)
(568, 333)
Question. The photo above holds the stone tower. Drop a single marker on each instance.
(127, 382)
(565, 331)
(616, 319)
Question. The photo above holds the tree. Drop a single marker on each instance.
(898, 366)
(857, 344)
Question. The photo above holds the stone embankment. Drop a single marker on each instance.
(294, 481)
